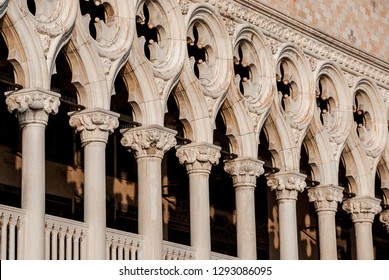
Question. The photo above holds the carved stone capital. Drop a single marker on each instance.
(384, 218)
(244, 171)
(151, 140)
(362, 209)
(94, 125)
(325, 198)
(199, 157)
(287, 184)
(32, 105)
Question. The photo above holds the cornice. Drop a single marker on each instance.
(312, 41)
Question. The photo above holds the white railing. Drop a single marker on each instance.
(218, 256)
(12, 226)
(65, 239)
(174, 251)
(123, 245)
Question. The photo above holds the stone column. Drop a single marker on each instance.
(94, 126)
(384, 218)
(198, 159)
(149, 144)
(362, 211)
(287, 185)
(244, 173)
(32, 107)
(326, 199)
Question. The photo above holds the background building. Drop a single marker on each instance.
(198, 129)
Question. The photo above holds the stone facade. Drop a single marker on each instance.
(168, 119)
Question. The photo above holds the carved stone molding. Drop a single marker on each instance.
(244, 171)
(94, 125)
(384, 218)
(3, 7)
(362, 209)
(147, 141)
(32, 105)
(325, 198)
(262, 16)
(287, 185)
(198, 157)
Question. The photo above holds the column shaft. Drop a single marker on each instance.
(245, 219)
(199, 215)
(364, 240)
(150, 206)
(95, 198)
(288, 229)
(33, 189)
(327, 235)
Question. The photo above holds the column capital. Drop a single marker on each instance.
(362, 209)
(198, 157)
(244, 171)
(384, 218)
(287, 184)
(151, 140)
(325, 198)
(32, 105)
(94, 125)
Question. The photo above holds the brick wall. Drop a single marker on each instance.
(361, 23)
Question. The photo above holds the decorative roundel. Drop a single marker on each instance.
(209, 51)
(253, 67)
(369, 118)
(332, 102)
(295, 87)
(160, 31)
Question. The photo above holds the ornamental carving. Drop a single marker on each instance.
(325, 198)
(3, 7)
(199, 157)
(244, 172)
(287, 185)
(94, 125)
(32, 105)
(153, 140)
(362, 209)
(260, 18)
(384, 218)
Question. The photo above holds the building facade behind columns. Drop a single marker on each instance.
(194, 129)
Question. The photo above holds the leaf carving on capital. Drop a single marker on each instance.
(148, 141)
(384, 218)
(287, 186)
(32, 106)
(325, 197)
(94, 126)
(244, 172)
(362, 209)
(198, 158)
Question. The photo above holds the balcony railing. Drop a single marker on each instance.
(68, 239)
(12, 225)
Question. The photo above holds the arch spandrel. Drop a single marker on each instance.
(39, 36)
(161, 38)
(100, 47)
(331, 124)
(211, 70)
(254, 72)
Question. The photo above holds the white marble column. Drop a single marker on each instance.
(244, 173)
(32, 107)
(149, 144)
(198, 159)
(362, 211)
(384, 218)
(287, 185)
(94, 126)
(326, 199)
